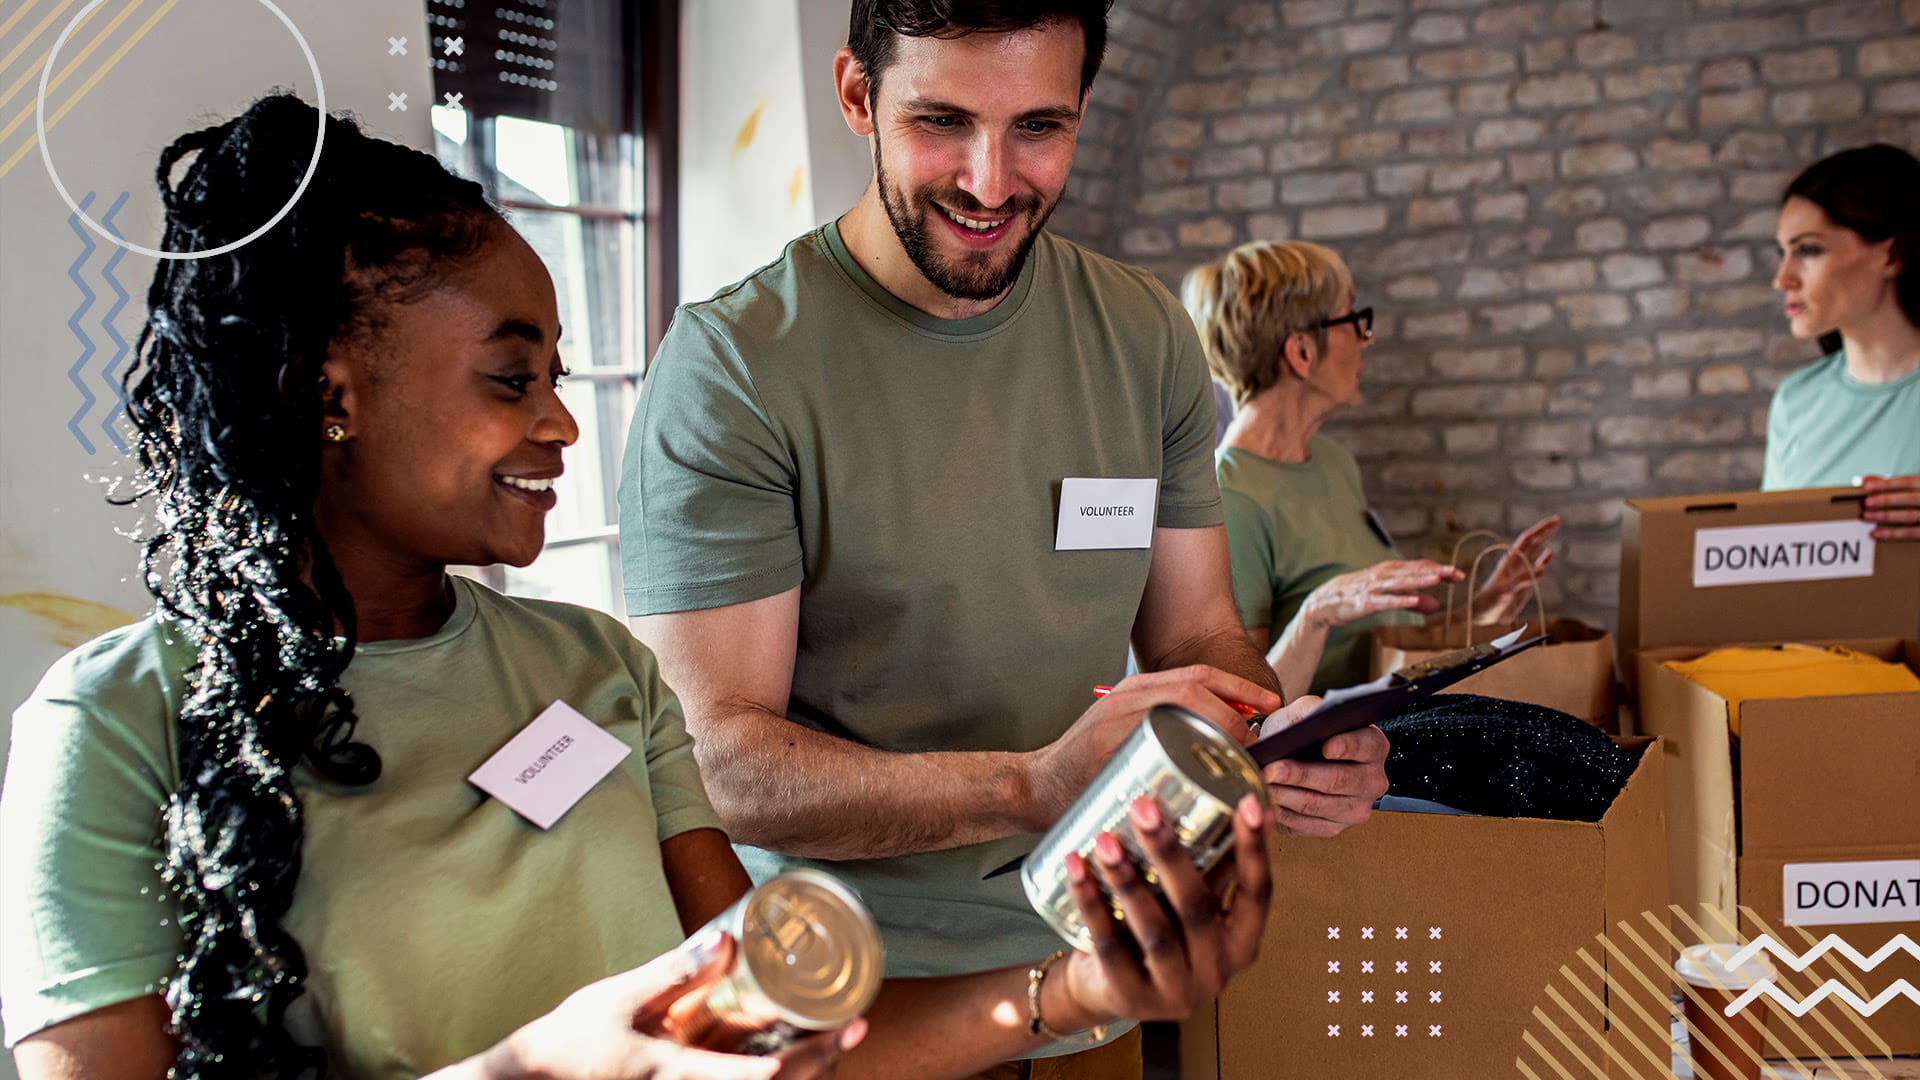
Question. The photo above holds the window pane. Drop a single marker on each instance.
(592, 278)
(582, 574)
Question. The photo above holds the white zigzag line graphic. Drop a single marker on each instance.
(1830, 943)
(1830, 988)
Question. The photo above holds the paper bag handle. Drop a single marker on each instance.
(1473, 577)
(1454, 560)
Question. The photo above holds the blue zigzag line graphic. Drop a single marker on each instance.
(1830, 943)
(86, 343)
(121, 347)
(1830, 988)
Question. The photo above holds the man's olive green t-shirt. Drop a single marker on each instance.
(434, 919)
(806, 428)
(1291, 528)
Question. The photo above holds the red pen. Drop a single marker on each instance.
(1241, 707)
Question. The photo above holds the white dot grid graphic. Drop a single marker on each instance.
(1401, 996)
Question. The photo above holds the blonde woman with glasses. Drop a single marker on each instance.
(1313, 568)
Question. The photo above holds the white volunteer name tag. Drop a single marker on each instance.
(1764, 554)
(1100, 513)
(551, 765)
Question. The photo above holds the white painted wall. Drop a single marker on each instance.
(64, 573)
(765, 155)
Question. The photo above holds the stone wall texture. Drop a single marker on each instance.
(1562, 212)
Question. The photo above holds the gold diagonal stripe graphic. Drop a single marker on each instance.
(1660, 958)
(1613, 1015)
(1554, 1029)
(106, 66)
(1616, 991)
(1819, 1015)
(1719, 1019)
(1599, 1039)
(1661, 989)
(38, 29)
(1521, 1064)
(1786, 1017)
(1626, 962)
(7, 26)
(32, 74)
(1527, 1036)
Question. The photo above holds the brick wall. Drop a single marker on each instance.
(1563, 213)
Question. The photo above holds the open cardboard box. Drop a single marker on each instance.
(1495, 911)
(1680, 587)
(1828, 825)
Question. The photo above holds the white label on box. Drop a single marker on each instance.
(1848, 893)
(1102, 513)
(1764, 554)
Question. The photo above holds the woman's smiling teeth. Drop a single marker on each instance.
(526, 485)
(974, 223)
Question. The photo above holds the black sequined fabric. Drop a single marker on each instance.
(1502, 758)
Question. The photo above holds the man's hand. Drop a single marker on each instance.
(1504, 596)
(1387, 586)
(1893, 505)
(1061, 770)
(1325, 798)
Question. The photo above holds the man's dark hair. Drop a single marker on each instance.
(877, 25)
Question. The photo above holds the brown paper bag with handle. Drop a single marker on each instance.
(1571, 671)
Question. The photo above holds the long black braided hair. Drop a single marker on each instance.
(228, 405)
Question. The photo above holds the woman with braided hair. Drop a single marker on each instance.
(241, 837)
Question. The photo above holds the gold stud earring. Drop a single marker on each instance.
(334, 433)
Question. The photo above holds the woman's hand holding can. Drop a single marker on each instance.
(1165, 959)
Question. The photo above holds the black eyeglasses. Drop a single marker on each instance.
(1362, 321)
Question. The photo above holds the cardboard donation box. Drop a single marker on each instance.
(1760, 566)
(1423, 944)
(1810, 822)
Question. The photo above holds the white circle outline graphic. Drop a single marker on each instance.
(46, 155)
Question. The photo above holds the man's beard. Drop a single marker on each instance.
(973, 277)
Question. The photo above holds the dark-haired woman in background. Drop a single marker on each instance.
(240, 834)
(1849, 239)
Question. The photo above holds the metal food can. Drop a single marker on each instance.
(1195, 770)
(807, 959)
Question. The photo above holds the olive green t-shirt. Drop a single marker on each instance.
(1291, 528)
(434, 919)
(806, 428)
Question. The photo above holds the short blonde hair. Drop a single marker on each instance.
(1247, 305)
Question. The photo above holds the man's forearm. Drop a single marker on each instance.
(780, 785)
(1227, 648)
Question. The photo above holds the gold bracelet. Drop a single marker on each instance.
(1035, 976)
(1036, 1026)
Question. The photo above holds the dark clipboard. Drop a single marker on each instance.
(1369, 703)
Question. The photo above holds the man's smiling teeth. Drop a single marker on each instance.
(527, 485)
(973, 223)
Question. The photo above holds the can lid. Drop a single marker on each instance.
(812, 948)
(1710, 967)
(1205, 755)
